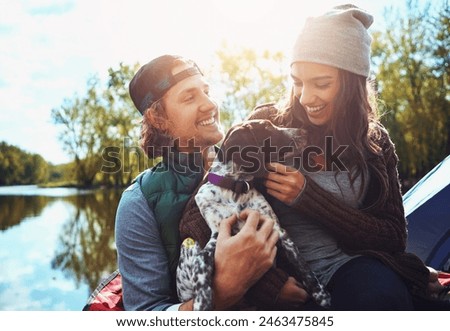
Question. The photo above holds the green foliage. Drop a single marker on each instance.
(411, 62)
(123, 130)
(249, 79)
(93, 125)
(18, 167)
(61, 175)
(412, 70)
(81, 121)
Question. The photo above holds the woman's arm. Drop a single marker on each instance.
(380, 227)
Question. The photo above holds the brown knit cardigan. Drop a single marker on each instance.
(378, 229)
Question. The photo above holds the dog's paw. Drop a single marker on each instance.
(185, 271)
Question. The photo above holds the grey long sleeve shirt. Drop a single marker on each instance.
(142, 259)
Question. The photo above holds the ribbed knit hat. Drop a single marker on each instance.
(339, 38)
(155, 78)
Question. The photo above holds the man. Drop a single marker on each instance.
(181, 124)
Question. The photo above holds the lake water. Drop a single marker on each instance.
(56, 244)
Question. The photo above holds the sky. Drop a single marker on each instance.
(50, 48)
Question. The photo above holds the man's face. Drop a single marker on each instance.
(193, 117)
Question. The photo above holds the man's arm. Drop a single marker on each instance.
(142, 258)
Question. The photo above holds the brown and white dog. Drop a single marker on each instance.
(229, 190)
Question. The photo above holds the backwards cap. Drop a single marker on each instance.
(155, 78)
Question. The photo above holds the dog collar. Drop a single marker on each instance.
(237, 186)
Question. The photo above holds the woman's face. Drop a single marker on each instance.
(316, 86)
(193, 117)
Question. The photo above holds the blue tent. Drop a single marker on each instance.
(427, 209)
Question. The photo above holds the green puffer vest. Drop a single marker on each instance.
(167, 187)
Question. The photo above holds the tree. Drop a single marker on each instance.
(20, 167)
(442, 55)
(36, 169)
(412, 63)
(81, 119)
(123, 129)
(249, 79)
(97, 123)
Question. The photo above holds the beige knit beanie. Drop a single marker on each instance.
(338, 38)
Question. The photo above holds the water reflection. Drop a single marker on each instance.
(14, 209)
(55, 248)
(86, 243)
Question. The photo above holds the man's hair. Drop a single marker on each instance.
(155, 136)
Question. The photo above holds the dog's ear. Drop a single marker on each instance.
(300, 139)
(225, 152)
(240, 147)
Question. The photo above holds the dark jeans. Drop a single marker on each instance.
(365, 283)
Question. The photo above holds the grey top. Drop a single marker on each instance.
(142, 259)
(316, 245)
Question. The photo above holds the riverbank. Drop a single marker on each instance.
(78, 186)
(58, 243)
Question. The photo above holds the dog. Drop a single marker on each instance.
(229, 190)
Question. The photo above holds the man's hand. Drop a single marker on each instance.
(283, 182)
(242, 259)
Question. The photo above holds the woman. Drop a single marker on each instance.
(180, 124)
(353, 218)
(342, 207)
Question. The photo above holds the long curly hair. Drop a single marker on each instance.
(155, 137)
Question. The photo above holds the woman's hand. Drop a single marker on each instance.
(434, 287)
(283, 182)
(242, 259)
